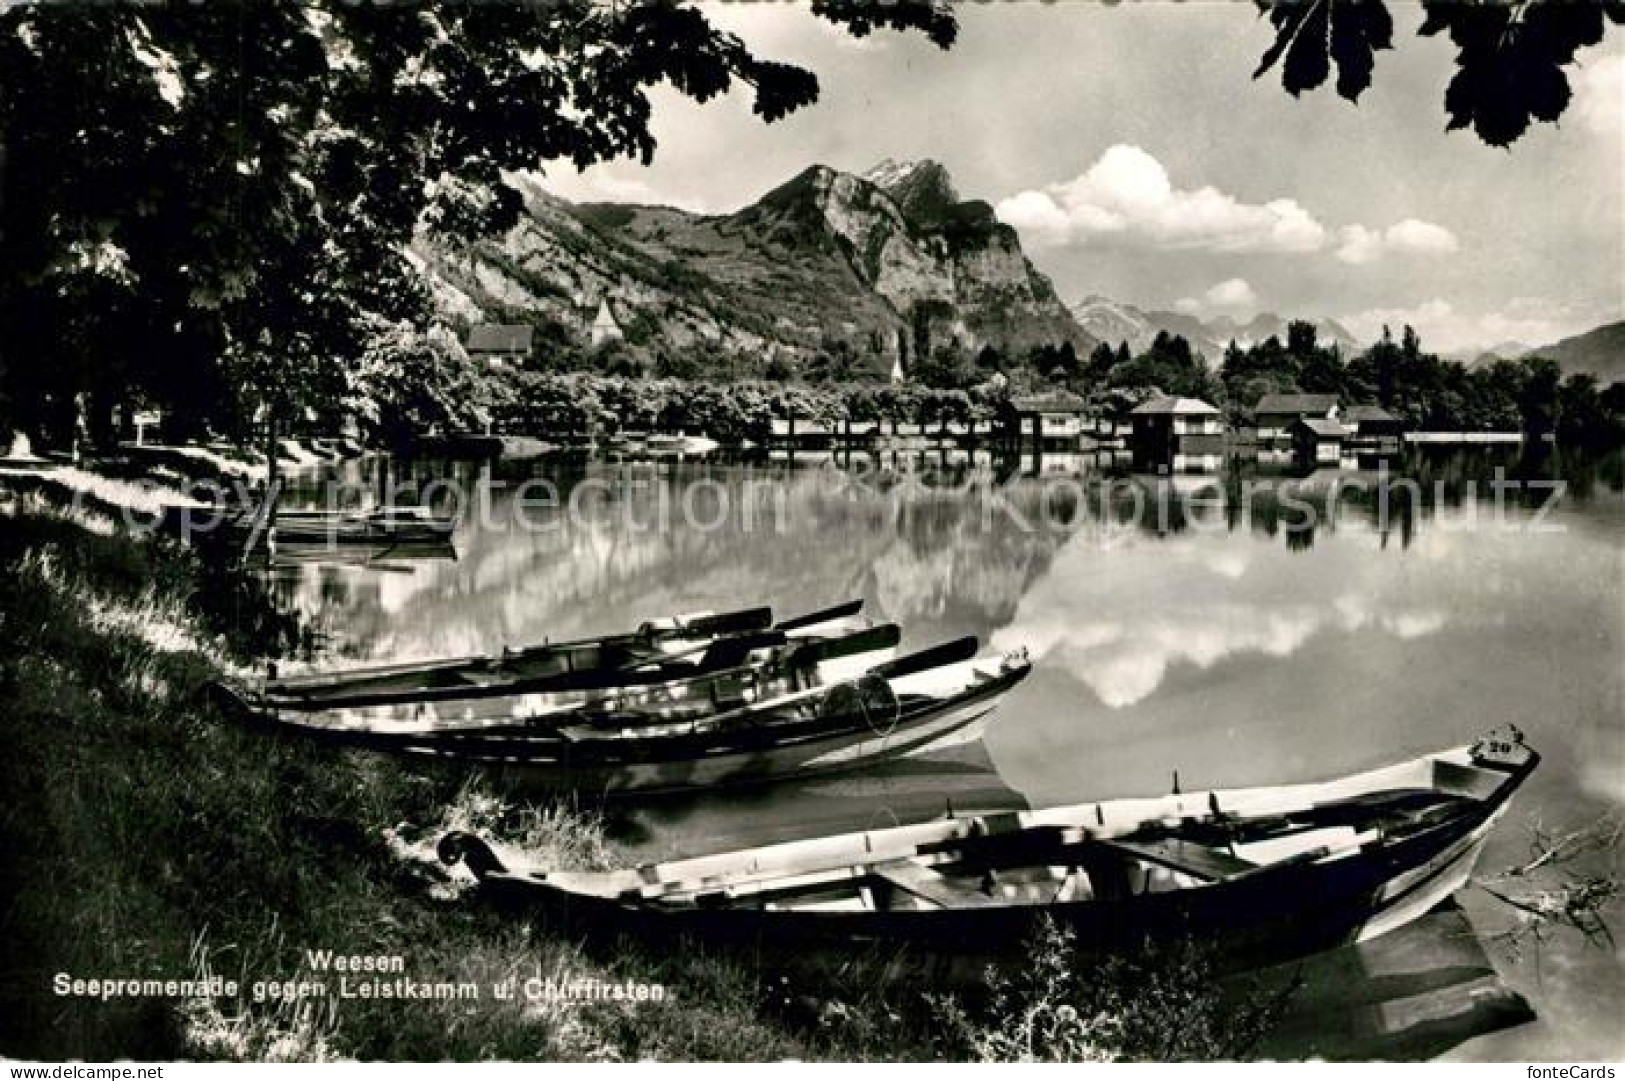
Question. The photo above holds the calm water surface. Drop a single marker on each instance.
(1218, 641)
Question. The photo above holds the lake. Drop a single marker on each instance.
(1247, 628)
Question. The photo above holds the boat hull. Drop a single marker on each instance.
(1275, 914)
(836, 753)
(683, 757)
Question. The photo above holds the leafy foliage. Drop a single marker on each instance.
(1509, 61)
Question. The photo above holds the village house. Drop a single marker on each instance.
(1038, 419)
(1177, 433)
(500, 343)
(1371, 427)
(1317, 440)
(1274, 413)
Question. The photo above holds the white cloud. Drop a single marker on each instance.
(1444, 329)
(1359, 245)
(1233, 297)
(1127, 197)
(1599, 98)
(1234, 293)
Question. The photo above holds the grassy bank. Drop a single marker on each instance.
(145, 837)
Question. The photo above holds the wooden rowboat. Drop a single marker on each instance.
(676, 647)
(730, 671)
(713, 731)
(1258, 874)
(395, 525)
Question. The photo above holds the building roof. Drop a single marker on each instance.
(499, 338)
(1056, 401)
(1367, 412)
(1322, 426)
(1296, 403)
(605, 319)
(1174, 406)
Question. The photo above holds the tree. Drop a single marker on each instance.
(1301, 339)
(1537, 396)
(1168, 366)
(1099, 366)
(947, 368)
(1509, 61)
(407, 382)
(272, 161)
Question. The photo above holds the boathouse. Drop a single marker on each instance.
(500, 343)
(1317, 440)
(1040, 420)
(1275, 413)
(1371, 427)
(1177, 434)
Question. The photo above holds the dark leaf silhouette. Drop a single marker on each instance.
(934, 18)
(1510, 53)
(1313, 34)
(1510, 59)
(1358, 32)
(1308, 59)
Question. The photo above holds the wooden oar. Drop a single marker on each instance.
(960, 649)
(838, 611)
(746, 619)
(717, 624)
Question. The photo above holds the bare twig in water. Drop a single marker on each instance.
(1577, 900)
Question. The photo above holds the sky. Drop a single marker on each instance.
(1137, 157)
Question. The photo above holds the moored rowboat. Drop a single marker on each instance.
(730, 671)
(677, 647)
(398, 525)
(719, 731)
(1258, 875)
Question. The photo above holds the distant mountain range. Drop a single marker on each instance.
(882, 266)
(1114, 321)
(887, 265)
(1599, 352)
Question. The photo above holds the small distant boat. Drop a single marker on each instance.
(393, 525)
(1257, 874)
(720, 729)
(679, 446)
(674, 647)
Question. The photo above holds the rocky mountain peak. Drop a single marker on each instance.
(922, 190)
(828, 267)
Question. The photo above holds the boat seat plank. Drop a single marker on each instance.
(1195, 860)
(925, 883)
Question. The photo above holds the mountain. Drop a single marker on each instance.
(1478, 358)
(1114, 321)
(891, 264)
(1599, 352)
(1267, 325)
(1203, 338)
